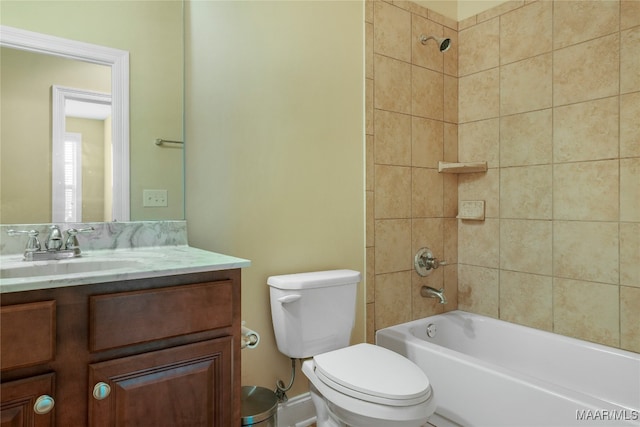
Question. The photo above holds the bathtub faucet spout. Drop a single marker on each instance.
(429, 292)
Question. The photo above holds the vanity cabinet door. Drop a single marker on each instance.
(185, 386)
(27, 402)
(27, 334)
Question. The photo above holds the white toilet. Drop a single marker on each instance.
(357, 386)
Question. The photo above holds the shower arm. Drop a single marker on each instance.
(424, 39)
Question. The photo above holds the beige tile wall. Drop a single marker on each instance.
(412, 115)
(548, 93)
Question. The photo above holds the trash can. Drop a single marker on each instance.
(259, 407)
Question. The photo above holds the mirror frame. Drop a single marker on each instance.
(118, 60)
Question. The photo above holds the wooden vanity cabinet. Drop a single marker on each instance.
(148, 352)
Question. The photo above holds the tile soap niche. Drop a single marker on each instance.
(471, 210)
(463, 167)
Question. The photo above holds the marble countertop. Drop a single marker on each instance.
(112, 251)
(110, 265)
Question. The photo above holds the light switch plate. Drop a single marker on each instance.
(471, 209)
(154, 198)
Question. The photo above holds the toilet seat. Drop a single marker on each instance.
(373, 374)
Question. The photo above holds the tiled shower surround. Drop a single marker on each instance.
(548, 93)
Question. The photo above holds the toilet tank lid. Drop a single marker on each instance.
(315, 279)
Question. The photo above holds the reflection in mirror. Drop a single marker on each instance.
(82, 163)
(33, 65)
(152, 33)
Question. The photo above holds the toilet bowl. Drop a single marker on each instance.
(367, 385)
(357, 386)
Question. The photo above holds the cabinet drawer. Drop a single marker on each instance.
(27, 334)
(127, 318)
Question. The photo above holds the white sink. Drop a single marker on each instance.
(54, 268)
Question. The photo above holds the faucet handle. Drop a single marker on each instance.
(435, 263)
(33, 244)
(424, 262)
(71, 242)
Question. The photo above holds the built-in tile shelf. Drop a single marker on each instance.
(471, 210)
(466, 167)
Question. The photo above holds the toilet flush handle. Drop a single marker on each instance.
(289, 298)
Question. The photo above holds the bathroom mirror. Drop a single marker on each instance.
(138, 42)
(30, 63)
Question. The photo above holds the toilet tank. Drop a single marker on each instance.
(313, 313)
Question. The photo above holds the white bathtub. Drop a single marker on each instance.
(487, 372)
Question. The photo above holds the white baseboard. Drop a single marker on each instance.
(298, 411)
(438, 421)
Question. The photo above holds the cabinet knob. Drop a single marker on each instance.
(44, 404)
(101, 391)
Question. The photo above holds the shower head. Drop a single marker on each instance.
(443, 43)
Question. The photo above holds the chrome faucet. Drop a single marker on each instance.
(54, 239)
(55, 247)
(429, 292)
